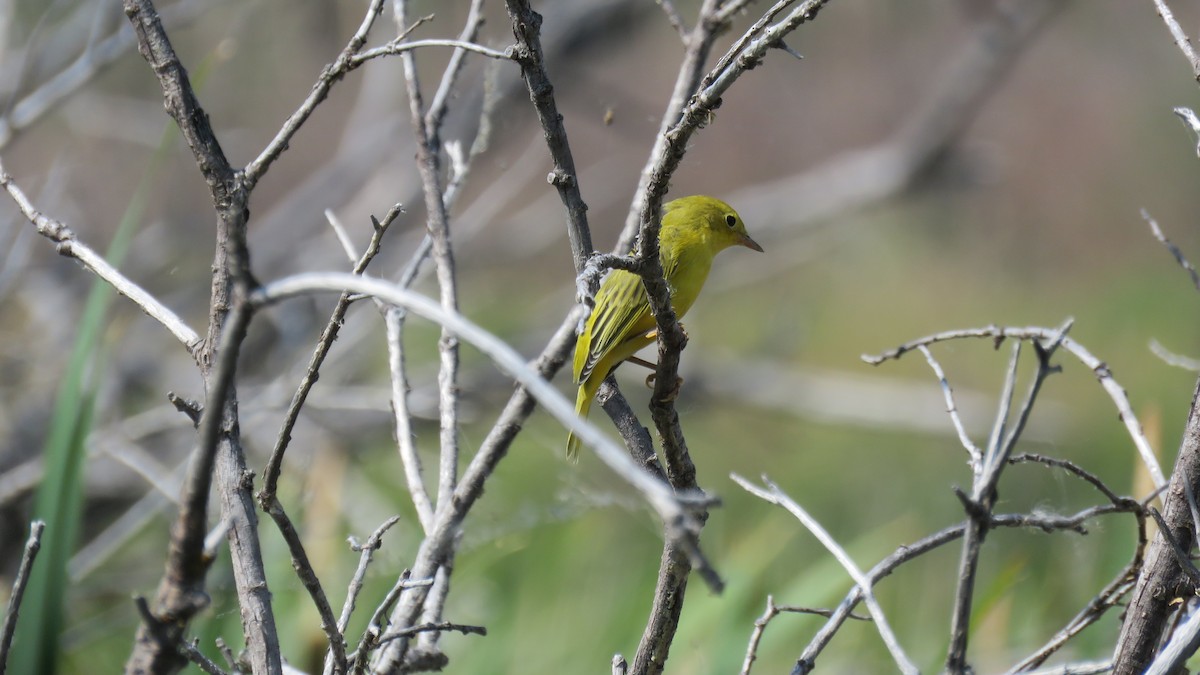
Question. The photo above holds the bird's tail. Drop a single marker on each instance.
(583, 403)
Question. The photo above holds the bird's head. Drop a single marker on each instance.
(716, 221)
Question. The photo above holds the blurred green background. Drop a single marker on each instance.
(1031, 216)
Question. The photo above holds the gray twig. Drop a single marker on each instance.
(1170, 246)
(771, 493)
(1000, 333)
(1180, 37)
(70, 246)
(32, 546)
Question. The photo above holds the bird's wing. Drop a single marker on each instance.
(622, 312)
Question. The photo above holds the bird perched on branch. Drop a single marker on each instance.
(694, 230)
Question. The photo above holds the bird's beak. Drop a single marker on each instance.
(746, 241)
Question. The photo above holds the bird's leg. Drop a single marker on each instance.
(654, 375)
(642, 362)
(654, 367)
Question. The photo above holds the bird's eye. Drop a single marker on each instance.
(730, 219)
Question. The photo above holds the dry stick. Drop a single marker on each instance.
(435, 603)
(329, 75)
(1170, 246)
(1180, 37)
(702, 97)
(394, 321)
(32, 546)
(771, 493)
(429, 166)
(773, 611)
(464, 43)
(973, 452)
(398, 46)
(698, 45)
(181, 593)
(1162, 579)
(69, 245)
(1114, 390)
(366, 551)
(673, 18)
(1192, 121)
(193, 654)
(427, 135)
(1116, 589)
(402, 419)
(442, 626)
(324, 344)
(526, 26)
(984, 494)
(807, 661)
(375, 627)
(231, 279)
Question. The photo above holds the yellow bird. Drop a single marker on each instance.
(694, 230)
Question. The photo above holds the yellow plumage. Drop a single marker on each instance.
(694, 230)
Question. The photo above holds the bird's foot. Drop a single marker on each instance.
(671, 395)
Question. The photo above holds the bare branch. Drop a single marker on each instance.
(193, 654)
(1170, 246)
(1193, 123)
(428, 142)
(973, 451)
(398, 46)
(1181, 38)
(32, 546)
(1172, 359)
(332, 73)
(69, 245)
(1162, 579)
(998, 334)
(526, 25)
(674, 19)
(774, 495)
(430, 627)
(324, 344)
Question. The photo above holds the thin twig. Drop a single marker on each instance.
(1172, 359)
(1170, 246)
(1000, 333)
(32, 546)
(774, 495)
(69, 245)
(324, 344)
(331, 74)
(982, 501)
(973, 452)
(1192, 121)
(674, 18)
(193, 654)
(398, 46)
(402, 419)
(526, 26)
(1181, 38)
(428, 143)
(442, 626)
